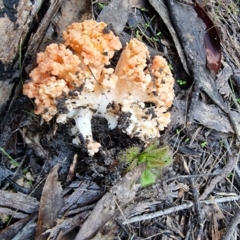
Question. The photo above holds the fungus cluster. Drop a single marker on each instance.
(74, 80)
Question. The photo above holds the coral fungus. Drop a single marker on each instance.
(72, 81)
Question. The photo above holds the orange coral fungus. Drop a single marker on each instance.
(74, 83)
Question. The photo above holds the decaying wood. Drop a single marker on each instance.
(38, 36)
(23, 229)
(14, 28)
(18, 201)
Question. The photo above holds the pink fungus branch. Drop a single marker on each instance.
(72, 81)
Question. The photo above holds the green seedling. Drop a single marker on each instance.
(154, 158)
(178, 131)
(143, 9)
(138, 35)
(154, 39)
(101, 5)
(203, 144)
(170, 66)
(148, 24)
(24, 171)
(181, 82)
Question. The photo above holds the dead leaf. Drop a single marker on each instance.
(32, 139)
(85, 193)
(230, 165)
(211, 40)
(73, 11)
(50, 204)
(65, 226)
(115, 15)
(212, 117)
(138, 3)
(216, 235)
(191, 34)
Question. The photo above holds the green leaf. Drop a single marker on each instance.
(160, 157)
(146, 154)
(130, 154)
(154, 158)
(132, 164)
(147, 178)
(152, 146)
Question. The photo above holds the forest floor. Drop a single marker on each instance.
(52, 189)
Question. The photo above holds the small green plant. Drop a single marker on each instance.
(154, 157)
(101, 5)
(170, 66)
(12, 161)
(138, 35)
(154, 39)
(148, 24)
(203, 144)
(181, 82)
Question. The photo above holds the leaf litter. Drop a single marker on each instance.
(205, 151)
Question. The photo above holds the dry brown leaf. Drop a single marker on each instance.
(115, 14)
(50, 204)
(212, 117)
(73, 11)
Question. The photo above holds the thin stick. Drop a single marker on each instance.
(232, 226)
(198, 209)
(178, 208)
(191, 176)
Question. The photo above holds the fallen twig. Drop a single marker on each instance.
(189, 228)
(178, 208)
(232, 226)
(200, 220)
(191, 176)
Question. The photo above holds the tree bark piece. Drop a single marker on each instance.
(18, 201)
(15, 22)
